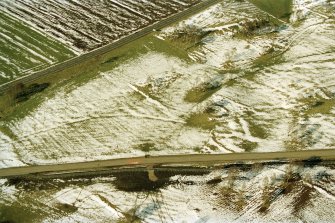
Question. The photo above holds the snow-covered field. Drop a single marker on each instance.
(253, 193)
(227, 80)
(230, 79)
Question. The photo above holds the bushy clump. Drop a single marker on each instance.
(188, 34)
(250, 27)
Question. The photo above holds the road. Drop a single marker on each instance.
(326, 154)
(28, 79)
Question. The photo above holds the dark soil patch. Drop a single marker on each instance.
(303, 198)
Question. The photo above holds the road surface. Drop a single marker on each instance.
(325, 154)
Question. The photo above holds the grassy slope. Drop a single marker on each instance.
(23, 50)
(278, 8)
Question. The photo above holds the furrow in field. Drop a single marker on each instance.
(87, 25)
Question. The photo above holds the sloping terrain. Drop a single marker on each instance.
(230, 79)
(233, 78)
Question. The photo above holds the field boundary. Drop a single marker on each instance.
(30, 78)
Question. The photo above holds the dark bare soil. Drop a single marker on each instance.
(87, 25)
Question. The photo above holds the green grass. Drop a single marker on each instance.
(17, 212)
(322, 106)
(202, 92)
(201, 120)
(280, 9)
(82, 73)
(23, 49)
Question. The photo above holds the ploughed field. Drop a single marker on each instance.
(37, 34)
(24, 50)
(86, 25)
(230, 79)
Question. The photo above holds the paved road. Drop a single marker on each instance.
(326, 154)
(28, 79)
